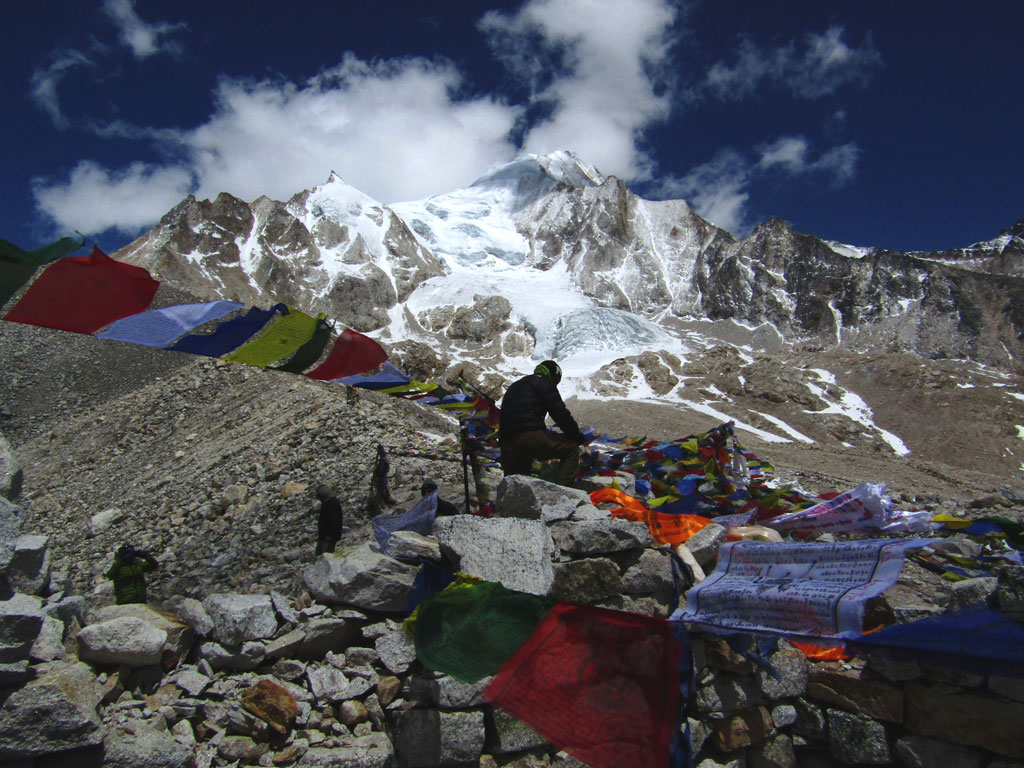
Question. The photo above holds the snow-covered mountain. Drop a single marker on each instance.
(639, 299)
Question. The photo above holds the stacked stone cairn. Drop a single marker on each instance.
(332, 680)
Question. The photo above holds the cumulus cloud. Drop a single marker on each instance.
(408, 128)
(719, 189)
(143, 38)
(95, 199)
(826, 63)
(395, 130)
(44, 83)
(597, 67)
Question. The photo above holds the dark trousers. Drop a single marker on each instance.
(519, 452)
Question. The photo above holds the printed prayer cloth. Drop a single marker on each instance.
(814, 590)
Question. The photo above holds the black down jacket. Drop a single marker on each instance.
(526, 404)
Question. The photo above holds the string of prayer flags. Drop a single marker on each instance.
(352, 353)
(419, 519)
(281, 337)
(161, 327)
(602, 685)
(83, 294)
(228, 335)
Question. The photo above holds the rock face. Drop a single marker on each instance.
(364, 578)
(628, 254)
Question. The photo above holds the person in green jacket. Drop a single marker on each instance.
(128, 573)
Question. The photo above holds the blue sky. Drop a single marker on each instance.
(879, 123)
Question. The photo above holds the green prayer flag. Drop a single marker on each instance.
(12, 277)
(283, 336)
(9, 252)
(18, 265)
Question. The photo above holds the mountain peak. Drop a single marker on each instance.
(564, 167)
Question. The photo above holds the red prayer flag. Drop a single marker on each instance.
(85, 293)
(352, 353)
(603, 685)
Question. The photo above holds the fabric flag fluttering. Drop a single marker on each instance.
(352, 353)
(602, 685)
(310, 352)
(161, 327)
(280, 338)
(83, 294)
(228, 335)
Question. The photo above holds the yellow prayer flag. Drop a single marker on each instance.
(282, 336)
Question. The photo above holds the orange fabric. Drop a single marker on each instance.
(665, 527)
(821, 652)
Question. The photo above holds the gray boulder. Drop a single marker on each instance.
(397, 651)
(624, 480)
(534, 499)
(362, 577)
(126, 640)
(237, 618)
(373, 750)
(10, 519)
(411, 546)
(651, 573)
(104, 520)
(53, 713)
(595, 537)
(21, 619)
(29, 568)
(586, 581)
(137, 744)
(194, 614)
(705, 543)
(514, 551)
(321, 636)
(428, 737)
(11, 475)
(49, 645)
(179, 634)
(246, 656)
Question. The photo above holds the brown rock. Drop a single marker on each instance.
(742, 729)
(965, 718)
(271, 703)
(387, 688)
(848, 690)
(290, 489)
(721, 656)
(352, 712)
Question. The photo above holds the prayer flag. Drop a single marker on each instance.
(602, 685)
(352, 353)
(228, 335)
(9, 252)
(160, 327)
(282, 337)
(83, 294)
(309, 352)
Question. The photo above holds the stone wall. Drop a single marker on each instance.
(258, 679)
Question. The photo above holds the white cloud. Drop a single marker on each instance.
(791, 154)
(612, 55)
(404, 129)
(826, 64)
(94, 199)
(719, 189)
(45, 81)
(143, 38)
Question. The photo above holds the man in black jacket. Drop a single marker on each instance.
(523, 434)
